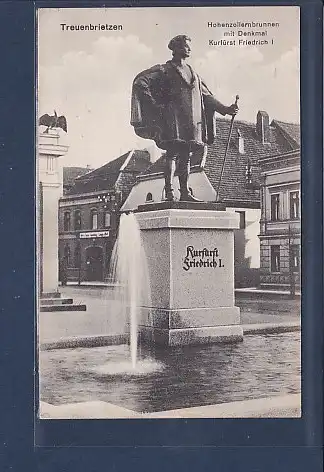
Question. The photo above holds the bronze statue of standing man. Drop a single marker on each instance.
(173, 106)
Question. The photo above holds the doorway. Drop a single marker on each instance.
(94, 260)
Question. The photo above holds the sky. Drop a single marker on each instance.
(87, 75)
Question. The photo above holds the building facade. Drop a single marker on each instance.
(89, 216)
(280, 225)
(87, 232)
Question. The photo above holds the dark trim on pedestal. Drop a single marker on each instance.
(178, 205)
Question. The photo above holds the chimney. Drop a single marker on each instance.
(240, 141)
(263, 127)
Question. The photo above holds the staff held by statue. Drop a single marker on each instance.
(226, 149)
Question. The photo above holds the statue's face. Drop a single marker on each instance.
(182, 49)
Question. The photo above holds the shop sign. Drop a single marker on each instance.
(94, 234)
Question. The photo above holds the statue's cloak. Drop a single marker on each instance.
(171, 110)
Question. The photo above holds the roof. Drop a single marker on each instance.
(106, 176)
(291, 131)
(234, 184)
(108, 172)
(139, 162)
(71, 173)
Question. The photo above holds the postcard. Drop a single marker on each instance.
(169, 212)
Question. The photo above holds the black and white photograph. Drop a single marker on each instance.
(168, 212)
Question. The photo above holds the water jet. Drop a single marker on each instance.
(129, 273)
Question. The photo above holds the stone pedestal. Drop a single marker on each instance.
(50, 175)
(190, 255)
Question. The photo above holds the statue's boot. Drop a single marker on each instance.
(185, 194)
(169, 195)
(187, 197)
(170, 166)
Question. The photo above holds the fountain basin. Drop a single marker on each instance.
(179, 377)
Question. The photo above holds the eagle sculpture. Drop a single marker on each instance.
(53, 121)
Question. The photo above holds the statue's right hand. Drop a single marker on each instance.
(232, 109)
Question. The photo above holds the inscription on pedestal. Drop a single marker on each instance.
(202, 258)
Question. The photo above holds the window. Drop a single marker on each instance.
(94, 219)
(242, 219)
(275, 258)
(294, 205)
(67, 221)
(275, 207)
(77, 220)
(77, 256)
(107, 219)
(67, 254)
(149, 197)
(294, 258)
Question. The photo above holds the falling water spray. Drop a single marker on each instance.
(130, 274)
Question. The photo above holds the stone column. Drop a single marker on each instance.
(50, 189)
(190, 255)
